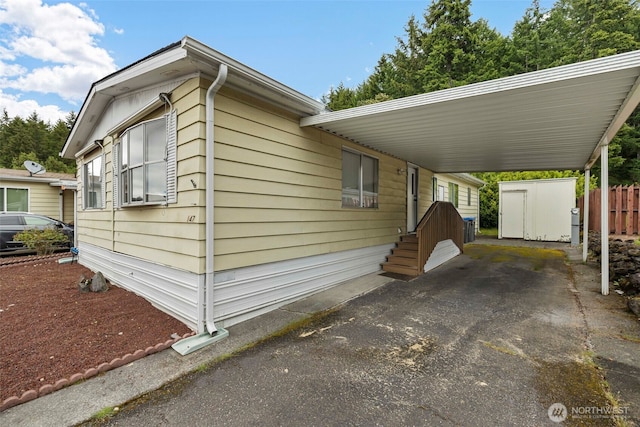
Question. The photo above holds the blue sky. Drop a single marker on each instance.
(51, 51)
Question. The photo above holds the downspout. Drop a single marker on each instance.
(585, 215)
(210, 198)
(61, 204)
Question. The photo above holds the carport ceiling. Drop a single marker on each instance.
(550, 119)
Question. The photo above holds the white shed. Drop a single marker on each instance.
(537, 209)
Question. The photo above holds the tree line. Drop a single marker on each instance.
(444, 49)
(33, 139)
(447, 49)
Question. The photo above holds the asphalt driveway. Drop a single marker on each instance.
(494, 337)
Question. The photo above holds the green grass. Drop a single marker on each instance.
(491, 232)
(105, 413)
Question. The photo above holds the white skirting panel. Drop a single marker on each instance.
(170, 290)
(248, 292)
(443, 252)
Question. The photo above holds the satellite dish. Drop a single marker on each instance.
(34, 168)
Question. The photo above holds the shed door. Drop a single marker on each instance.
(512, 215)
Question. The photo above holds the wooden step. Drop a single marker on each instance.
(407, 253)
(412, 246)
(400, 269)
(409, 238)
(400, 260)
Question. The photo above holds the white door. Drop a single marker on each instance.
(412, 199)
(512, 214)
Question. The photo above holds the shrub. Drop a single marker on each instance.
(44, 241)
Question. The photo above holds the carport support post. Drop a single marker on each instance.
(604, 216)
(585, 215)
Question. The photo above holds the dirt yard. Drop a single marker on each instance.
(50, 330)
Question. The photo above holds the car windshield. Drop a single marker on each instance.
(37, 220)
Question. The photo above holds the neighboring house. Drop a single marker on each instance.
(462, 190)
(49, 194)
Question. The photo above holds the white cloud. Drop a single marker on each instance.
(118, 31)
(60, 45)
(16, 107)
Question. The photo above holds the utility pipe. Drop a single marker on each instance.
(585, 215)
(210, 198)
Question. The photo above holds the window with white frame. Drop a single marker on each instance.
(93, 178)
(14, 199)
(434, 188)
(146, 163)
(453, 194)
(359, 180)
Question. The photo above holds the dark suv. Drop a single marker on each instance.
(14, 222)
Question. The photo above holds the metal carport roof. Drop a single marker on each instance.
(544, 120)
(558, 118)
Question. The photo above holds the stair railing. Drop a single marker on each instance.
(441, 222)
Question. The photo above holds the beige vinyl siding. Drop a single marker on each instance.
(425, 191)
(67, 210)
(171, 235)
(44, 199)
(464, 209)
(279, 189)
(95, 226)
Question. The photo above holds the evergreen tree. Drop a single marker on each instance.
(526, 41)
(449, 41)
(33, 139)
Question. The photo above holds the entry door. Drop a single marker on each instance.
(512, 215)
(412, 199)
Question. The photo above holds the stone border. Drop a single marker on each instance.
(6, 261)
(88, 373)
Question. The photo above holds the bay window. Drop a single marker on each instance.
(146, 163)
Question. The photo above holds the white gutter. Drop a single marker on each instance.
(210, 198)
(211, 333)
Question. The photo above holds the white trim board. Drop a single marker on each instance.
(171, 290)
(248, 292)
(239, 294)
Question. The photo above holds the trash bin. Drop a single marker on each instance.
(469, 229)
(575, 226)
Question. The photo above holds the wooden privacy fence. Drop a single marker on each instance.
(623, 209)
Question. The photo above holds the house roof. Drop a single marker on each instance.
(184, 58)
(468, 178)
(54, 179)
(19, 174)
(551, 119)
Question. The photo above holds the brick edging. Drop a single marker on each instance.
(7, 261)
(88, 373)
